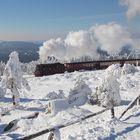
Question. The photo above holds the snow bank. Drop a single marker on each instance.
(128, 83)
(77, 96)
(97, 127)
(58, 105)
(57, 134)
(53, 95)
(127, 69)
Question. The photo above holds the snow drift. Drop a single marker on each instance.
(77, 97)
(127, 69)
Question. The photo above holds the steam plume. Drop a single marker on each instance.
(133, 7)
(109, 37)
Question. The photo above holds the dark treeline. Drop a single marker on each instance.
(28, 51)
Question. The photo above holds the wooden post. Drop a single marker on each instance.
(112, 113)
(138, 101)
(51, 136)
(134, 102)
(13, 98)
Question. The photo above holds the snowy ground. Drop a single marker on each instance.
(95, 128)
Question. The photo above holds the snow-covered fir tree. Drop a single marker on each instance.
(13, 77)
(29, 68)
(107, 93)
(2, 67)
(2, 92)
(79, 94)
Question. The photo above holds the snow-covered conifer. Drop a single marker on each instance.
(79, 94)
(13, 77)
(108, 90)
(2, 67)
(114, 70)
(2, 92)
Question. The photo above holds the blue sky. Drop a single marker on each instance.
(44, 19)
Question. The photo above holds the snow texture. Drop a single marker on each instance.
(54, 95)
(58, 105)
(77, 96)
(127, 69)
(57, 134)
(114, 70)
(99, 127)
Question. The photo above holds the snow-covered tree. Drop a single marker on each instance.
(2, 92)
(29, 68)
(107, 93)
(79, 94)
(114, 70)
(13, 77)
(2, 67)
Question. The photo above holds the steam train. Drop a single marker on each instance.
(55, 68)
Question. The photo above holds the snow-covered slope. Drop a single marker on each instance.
(94, 128)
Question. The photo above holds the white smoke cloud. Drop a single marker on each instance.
(81, 43)
(133, 7)
(53, 47)
(110, 37)
(75, 45)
